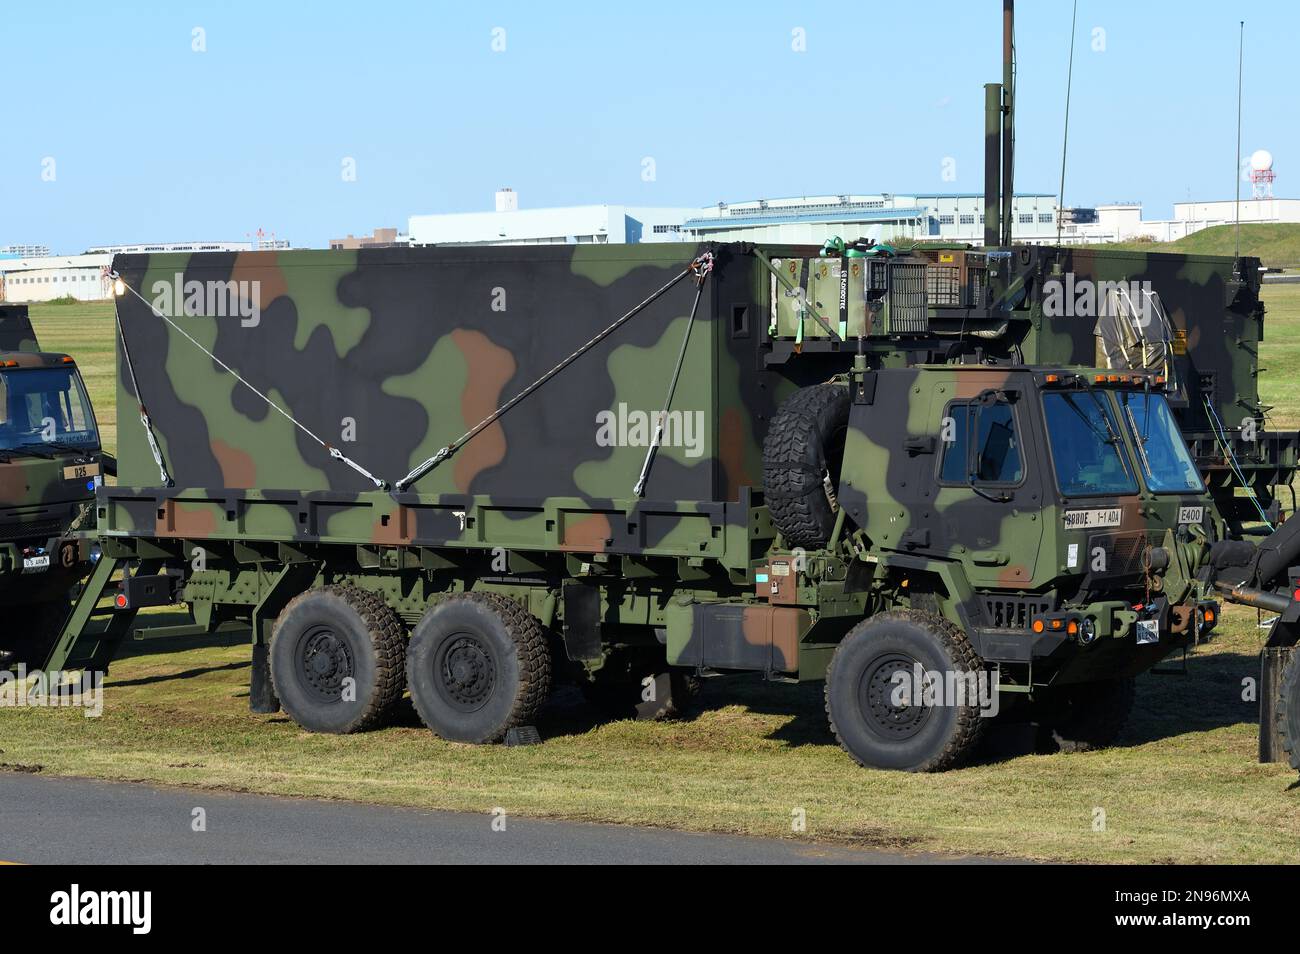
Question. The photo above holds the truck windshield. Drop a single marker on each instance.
(1162, 452)
(1087, 452)
(45, 411)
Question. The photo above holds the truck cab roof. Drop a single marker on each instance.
(34, 359)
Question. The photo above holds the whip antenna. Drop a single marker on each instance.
(1065, 136)
(1236, 169)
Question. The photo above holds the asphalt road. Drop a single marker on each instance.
(79, 821)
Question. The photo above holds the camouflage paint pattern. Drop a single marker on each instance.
(390, 354)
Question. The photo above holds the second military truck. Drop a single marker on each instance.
(50, 465)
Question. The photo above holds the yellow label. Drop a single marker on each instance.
(1180, 341)
(946, 257)
(80, 471)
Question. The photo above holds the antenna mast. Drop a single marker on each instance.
(1236, 169)
(1065, 137)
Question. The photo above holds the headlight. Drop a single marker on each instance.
(1087, 630)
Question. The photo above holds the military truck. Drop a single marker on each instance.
(456, 472)
(468, 473)
(50, 465)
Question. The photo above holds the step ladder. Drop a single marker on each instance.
(83, 646)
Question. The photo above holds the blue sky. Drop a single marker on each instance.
(152, 141)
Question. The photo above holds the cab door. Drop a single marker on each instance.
(986, 488)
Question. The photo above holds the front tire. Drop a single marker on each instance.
(865, 711)
(478, 665)
(326, 637)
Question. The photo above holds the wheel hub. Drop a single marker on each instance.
(324, 661)
(892, 712)
(467, 673)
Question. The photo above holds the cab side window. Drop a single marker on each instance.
(984, 446)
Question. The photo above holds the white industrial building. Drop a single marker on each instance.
(46, 278)
(810, 220)
(1123, 221)
(572, 225)
(807, 220)
(24, 251)
(56, 276)
(159, 247)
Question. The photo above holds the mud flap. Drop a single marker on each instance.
(1273, 660)
(261, 694)
(581, 621)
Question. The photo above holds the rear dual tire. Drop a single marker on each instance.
(337, 657)
(478, 666)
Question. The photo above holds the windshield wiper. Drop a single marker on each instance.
(49, 449)
(1087, 421)
(33, 449)
(67, 448)
(1141, 443)
(1105, 418)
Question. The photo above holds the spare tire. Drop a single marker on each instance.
(802, 455)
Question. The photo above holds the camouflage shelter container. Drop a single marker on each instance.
(390, 354)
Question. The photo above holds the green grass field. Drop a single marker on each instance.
(1183, 785)
(1277, 246)
(1279, 356)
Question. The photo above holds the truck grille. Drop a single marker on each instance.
(1123, 552)
(31, 530)
(1013, 612)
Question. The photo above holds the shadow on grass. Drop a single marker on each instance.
(186, 674)
(1208, 697)
(136, 648)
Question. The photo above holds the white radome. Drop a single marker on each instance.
(1261, 160)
